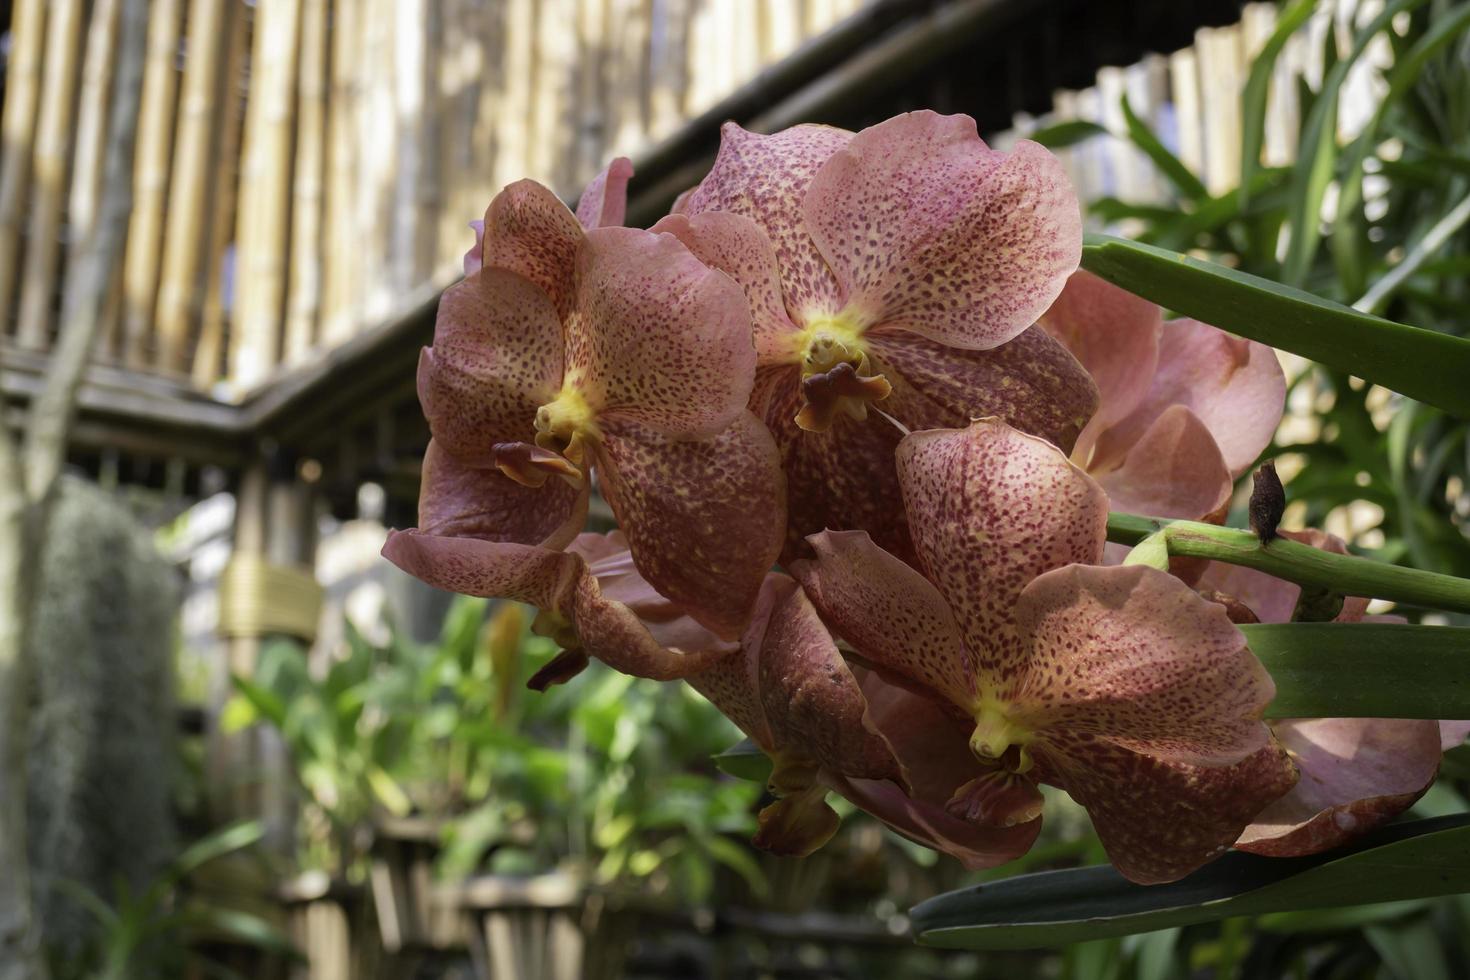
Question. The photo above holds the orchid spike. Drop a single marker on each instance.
(900, 268)
(609, 350)
(1117, 684)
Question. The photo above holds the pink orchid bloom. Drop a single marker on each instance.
(591, 598)
(791, 693)
(898, 268)
(613, 350)
(1185, 408)
(1356, 773)
(1119, 685)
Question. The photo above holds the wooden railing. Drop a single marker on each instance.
(305, 169)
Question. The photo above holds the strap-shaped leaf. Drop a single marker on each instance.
(1407, 860)
(1431, 367)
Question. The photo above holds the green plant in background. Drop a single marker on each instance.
(607, 774)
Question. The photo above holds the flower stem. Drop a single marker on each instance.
(1296, 562)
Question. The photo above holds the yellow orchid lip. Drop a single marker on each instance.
(836, 375)
(828, 341)
(566, 423)
(999, 738)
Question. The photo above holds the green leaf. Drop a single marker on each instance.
(388, 792)
(1169, 165)
(225, 841)
(1428, 366)
(1258, 87)
(1067, 133)
(745, 760)
(1404, 861)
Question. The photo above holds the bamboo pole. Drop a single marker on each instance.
(377, 141)
(18, 132)
(255, 343)
(591, 102)
(489, 107)
(304, 294)
(52, 153)
(416, 34)
(341, 282)
(87, 164)
(628, 83)
(461, 78)
(184, 237)
(515, 113)
(150, 191)
(224, 178)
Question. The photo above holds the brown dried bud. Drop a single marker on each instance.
(1268, 502)
(1240, 614)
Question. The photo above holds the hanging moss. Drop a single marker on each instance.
(103, 728)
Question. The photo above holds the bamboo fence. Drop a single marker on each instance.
(305, 169)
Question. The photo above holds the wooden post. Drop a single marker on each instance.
(155, 148)
(261, 239)
(342, 266)
(18, 131)
(52, 151)
(303, 298)
(417, 31)
(188, 202)
(377, 141)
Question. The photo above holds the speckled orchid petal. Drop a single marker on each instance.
(1356, 773)
(1158, 820)
(704, 518)
(1116, 337)
(657, 337)
(736, 246)
(1134, 656)
(530, 232)
(990, 508)
(930, 230)
(472, 258)
(605, 201)
(894, 618)
(497, 355)
(765, 178)
(732, 683)
(1235, 386)
(613, 633)
(464, 501)
(493, 569)
(1174, 470)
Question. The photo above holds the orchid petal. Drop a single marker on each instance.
(530, 232)
(1134, 656)
(657, 337)
(704, 518)
(765, 178)
(736, 246)
(497, 355)
(464, 501)
(1356, 773)
(1452, 734)
(1235, 386)
(1158, 820)
(493, 569)
(472, 258)
(613, 633)
(891, 615)
(605, 201)
(732, 683)
(991, 508)
(927, 228)
(797, 825)
(1174, 470)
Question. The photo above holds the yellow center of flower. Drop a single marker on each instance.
(836, 377)
(566, 423)
(828, 341)
(1000, 738)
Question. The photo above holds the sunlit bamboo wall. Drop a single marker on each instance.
(306, 168)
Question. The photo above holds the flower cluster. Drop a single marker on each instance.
(870, 360)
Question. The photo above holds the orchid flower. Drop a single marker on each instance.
(1356, 773)
(1119, 685)
(1185, 408)
(613, 350)
(896, 269)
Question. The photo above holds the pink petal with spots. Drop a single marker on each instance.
(704, 518)
(1158, 820)
(895, 619)
(530, 232)
(736, 246)
(930, 230)
(493, 569)
(615, 634)
(765, 178)
(472, 258)
(497, 355)
(1116, 337)
(1133, 656)
(465, 501)
(605, 201)
(1356, 773)
(732, 684)
(657, 337)
(1235, 386)
(991, 508)
(1174, 470)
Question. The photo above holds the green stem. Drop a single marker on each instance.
(1296, 562)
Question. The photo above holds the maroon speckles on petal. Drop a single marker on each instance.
(530, 232)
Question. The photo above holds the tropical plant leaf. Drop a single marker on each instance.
(1423, 364)
(1258, 87)
(1068, 133)
(1408, 860)
(745, 760)
(1189, 186)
